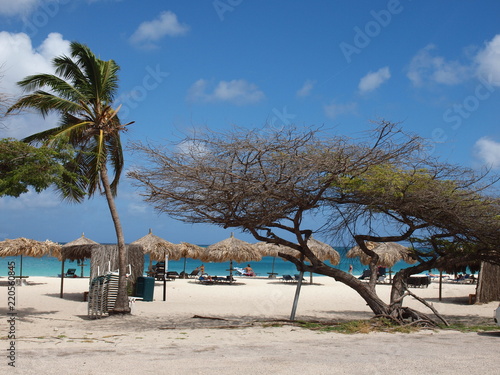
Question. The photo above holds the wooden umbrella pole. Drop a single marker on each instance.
(165, 278)
(21, 272)
(62, 278)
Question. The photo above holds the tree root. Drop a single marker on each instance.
(429, 306)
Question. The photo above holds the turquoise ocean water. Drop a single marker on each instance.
(50, 266)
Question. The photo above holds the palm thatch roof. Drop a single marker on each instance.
(270, 249)
(28, 247)
(230, 249)
(389, 253)
(80, 248)
(157, 247)
(322, 250)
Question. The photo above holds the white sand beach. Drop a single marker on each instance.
(55, 335)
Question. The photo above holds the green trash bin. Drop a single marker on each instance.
(145, 287)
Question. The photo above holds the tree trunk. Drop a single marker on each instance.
(121, 304)
(366, 291)
(488, 286)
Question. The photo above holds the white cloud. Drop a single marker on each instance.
(20, 59)
(31, 201)
(425, 67)
(334, 109)
(306, 89)
(488, 151)
(18, 7)
(373, 80)
(488, 61)
(237, 91)
(151, 31)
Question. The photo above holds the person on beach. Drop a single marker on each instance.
(350, 269)
(200, 269)
(249, 271)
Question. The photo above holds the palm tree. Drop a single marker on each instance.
(81, 92)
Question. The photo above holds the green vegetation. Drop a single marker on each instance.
(23, 166)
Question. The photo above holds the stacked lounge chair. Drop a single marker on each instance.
(103, 291)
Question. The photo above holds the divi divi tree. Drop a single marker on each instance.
(266, 184)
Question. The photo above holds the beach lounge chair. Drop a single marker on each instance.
(365, 275)
(287, 278)
(172, 275)
(159, 271)
(71, 272)
(205, 279)
(193, 274)
(297, 278)
(381, 274)
(240, 271)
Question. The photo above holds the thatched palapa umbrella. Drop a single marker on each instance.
(27, 247)
(156, 247)
(160, 249)
(389, 254)
(271, 250)
(78, 249)
(231, 249)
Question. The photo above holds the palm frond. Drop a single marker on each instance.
(82, 92)
(56, 84)
(45, 102)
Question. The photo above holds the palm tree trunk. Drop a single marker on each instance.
(121, 305)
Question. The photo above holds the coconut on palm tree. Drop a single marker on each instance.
(81, 92)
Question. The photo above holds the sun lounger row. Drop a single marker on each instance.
(290, 278)
(206, 279)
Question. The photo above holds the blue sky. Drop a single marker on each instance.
(434, 66)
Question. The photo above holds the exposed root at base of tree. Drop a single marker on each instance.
(409, 318)
(406, 315)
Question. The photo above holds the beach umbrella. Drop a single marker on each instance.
(157, 247)
(271, 250)
(26, 247)
(78, 249)
(231, 249)
(159, 250)
(389, 253)
(189, 250)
